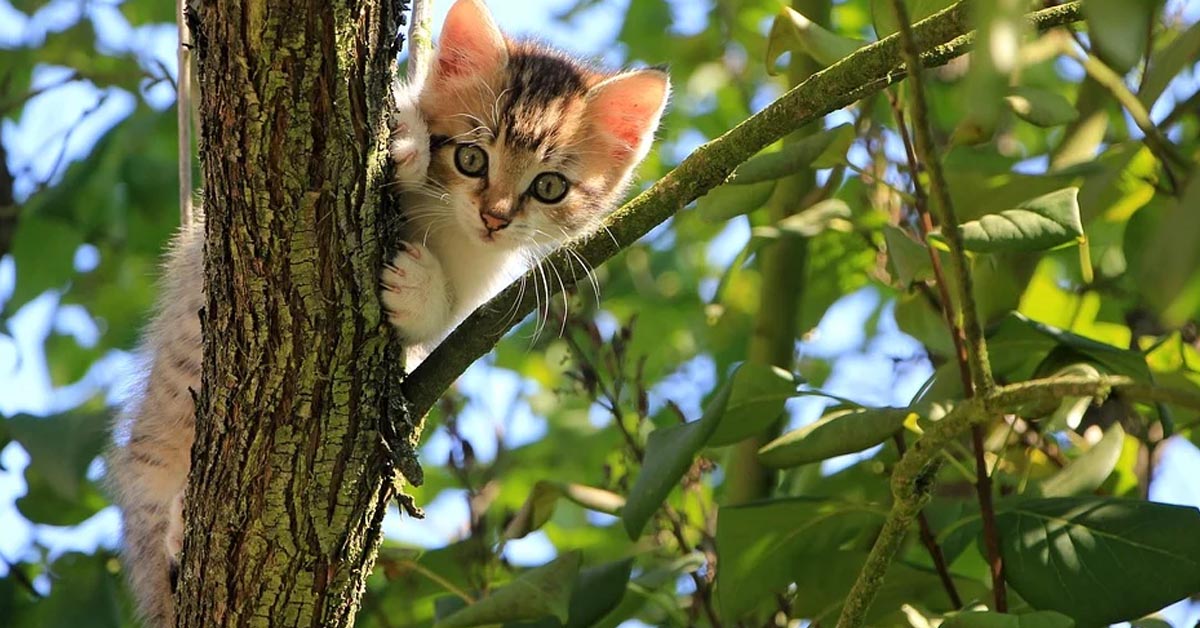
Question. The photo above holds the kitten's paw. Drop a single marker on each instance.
(414, 294)
(408, 145)
(174, 537)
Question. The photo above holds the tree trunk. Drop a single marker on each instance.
(290, 479)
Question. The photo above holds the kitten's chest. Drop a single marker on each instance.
(474, 273)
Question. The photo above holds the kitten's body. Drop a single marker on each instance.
(538, 122)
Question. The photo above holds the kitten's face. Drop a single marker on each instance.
(529, 147)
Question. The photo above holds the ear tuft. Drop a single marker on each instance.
(626, 108)
(471, 44)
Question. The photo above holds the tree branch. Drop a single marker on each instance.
(943, 36)
(913, 476)
(972, 354)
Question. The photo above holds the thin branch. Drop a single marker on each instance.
(420, 42)
(183, 111)
(1163, 149)
(944, 35)
(969, 339)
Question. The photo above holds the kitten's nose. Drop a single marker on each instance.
(493, 222)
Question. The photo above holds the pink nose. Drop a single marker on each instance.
(494, 222)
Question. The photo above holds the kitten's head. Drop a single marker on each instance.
(528, 145)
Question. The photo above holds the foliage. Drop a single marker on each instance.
(1081, 235)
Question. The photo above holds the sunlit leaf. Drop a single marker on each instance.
(795, 32)
(842, 431)
(1100, 560)
(1037, 224)
(1087, 472)
(1041, 107)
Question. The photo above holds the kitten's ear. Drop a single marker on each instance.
(625, 110)
(471, 45)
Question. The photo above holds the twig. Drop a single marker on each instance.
(183, 111)
(972, 347)
(871, 68)
(420, 42)
(1163, 149)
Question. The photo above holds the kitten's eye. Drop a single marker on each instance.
(549, 187)
(471, 160)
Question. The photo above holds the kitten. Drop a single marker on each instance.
(505, 150)
(527, 148)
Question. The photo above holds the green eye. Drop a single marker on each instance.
(549, 187)
(471, 160)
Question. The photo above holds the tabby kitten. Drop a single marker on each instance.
(506, 149)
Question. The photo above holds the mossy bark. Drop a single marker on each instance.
(289, 479)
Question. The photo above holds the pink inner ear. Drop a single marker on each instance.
(627, 110)
(470, 42)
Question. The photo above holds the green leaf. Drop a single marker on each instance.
(1118, 29)
(842, 431)
(825, 149)
(909, 259)
(752, 397)
(760, 546)
(1037, 224)
(1168, 62)
(728, 201)
(757, 394)
(807, 223)
(1041, 107)
(539, 507)
(1100, 560)
(599, 590)
(795, 32)
(884, 17)
(537, 593)
(1087, 472)
(989, 619)
(140, 12)
(669, 453)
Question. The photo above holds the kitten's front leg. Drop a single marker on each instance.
(409, 141)
(415, 294)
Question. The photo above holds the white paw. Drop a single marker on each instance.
(414, 294)
(408, 145)
(174, 538)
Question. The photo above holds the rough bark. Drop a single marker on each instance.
(289, 478)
